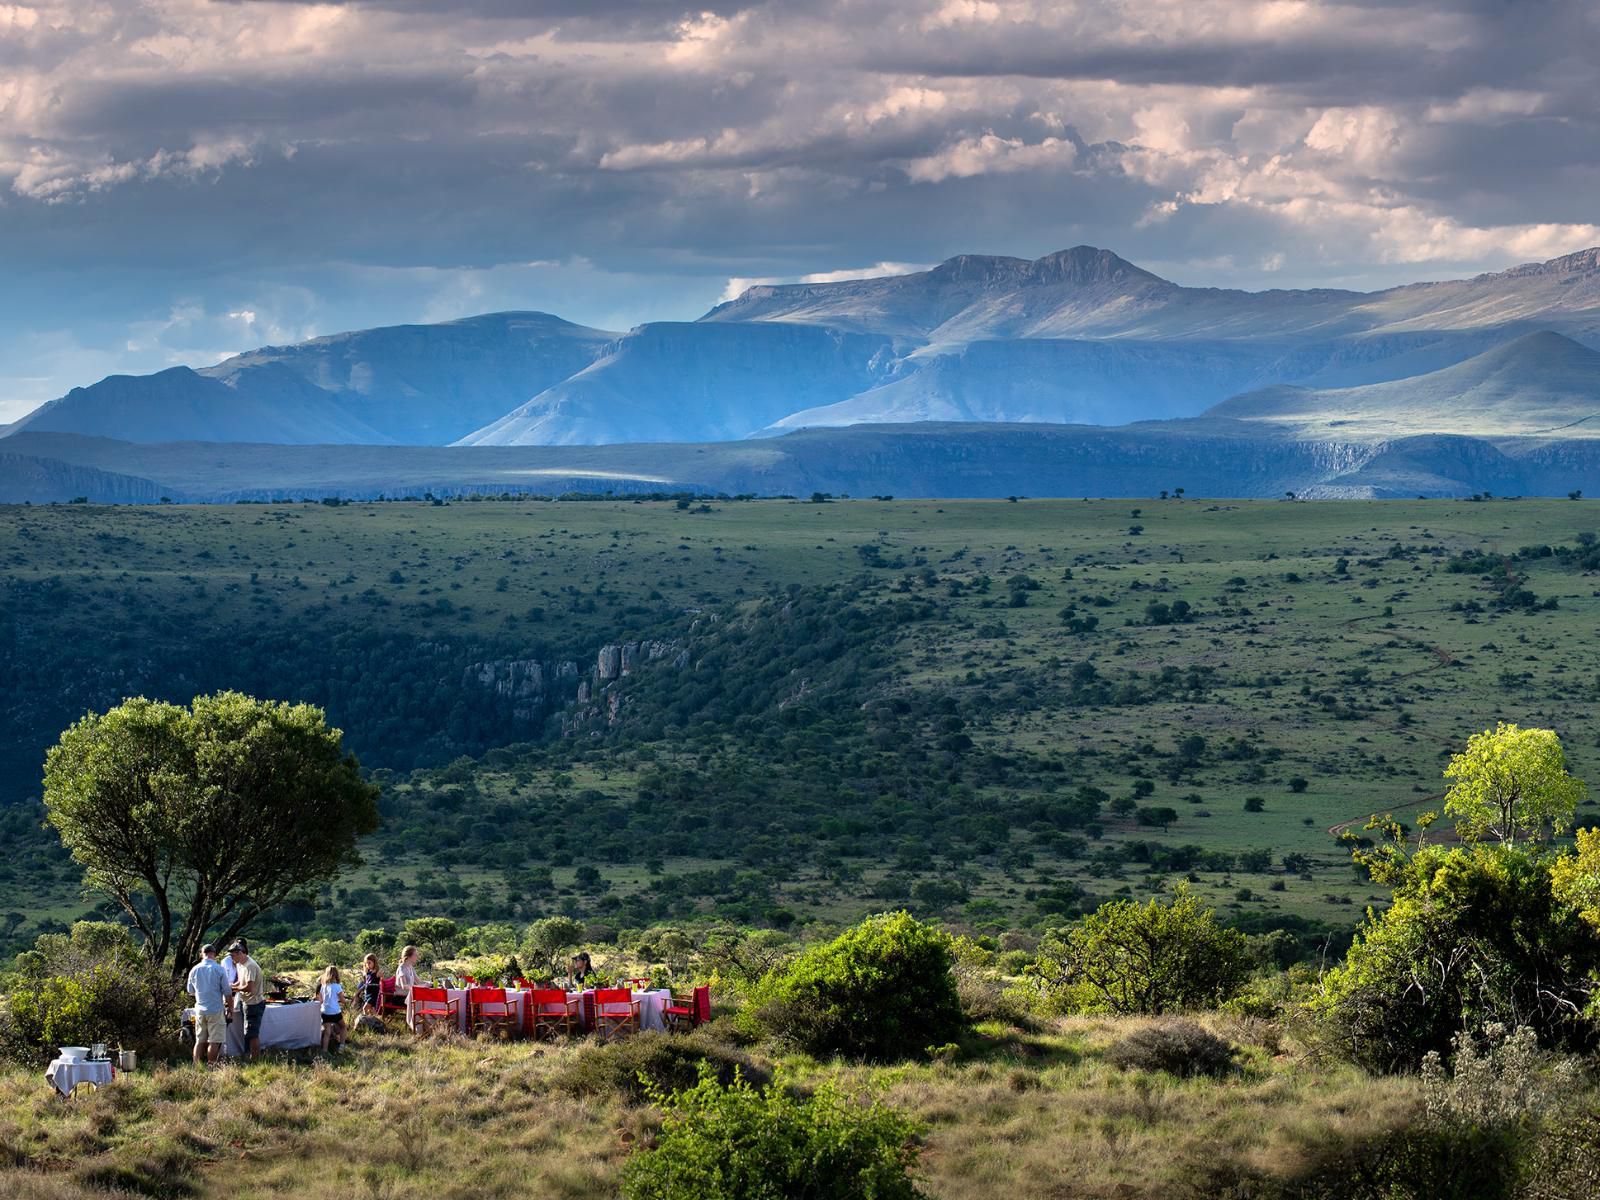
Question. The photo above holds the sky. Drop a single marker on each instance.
(185, 179)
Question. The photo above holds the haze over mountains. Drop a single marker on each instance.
(1328, 382)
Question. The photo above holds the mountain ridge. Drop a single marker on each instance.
(1080, 335)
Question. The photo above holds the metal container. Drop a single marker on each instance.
(127, 1060)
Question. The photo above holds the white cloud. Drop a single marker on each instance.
(989, 154)
(738, 285)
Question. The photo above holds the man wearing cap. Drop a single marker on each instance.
(249, 991)
(209, 987)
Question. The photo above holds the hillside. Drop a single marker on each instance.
(817, 708)
(1541, 384)
(1079, 336)
(407, 384)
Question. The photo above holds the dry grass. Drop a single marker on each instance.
(1019, 1115)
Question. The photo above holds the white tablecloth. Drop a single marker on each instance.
(283, 1027)
(650, 1006)
(516, 996)
(64, 1076)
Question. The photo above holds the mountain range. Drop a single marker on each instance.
(1080, 345)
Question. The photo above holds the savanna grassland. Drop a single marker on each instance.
(1027, 1113)
(995, 713)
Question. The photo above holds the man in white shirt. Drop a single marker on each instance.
(209, 986)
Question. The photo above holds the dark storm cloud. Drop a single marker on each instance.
(247, 171)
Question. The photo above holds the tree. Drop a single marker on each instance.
(198, 820)
(1509, 783)
(1161, 816)
(1150, 958)
(548, 938)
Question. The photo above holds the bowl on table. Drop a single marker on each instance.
(74, 1054)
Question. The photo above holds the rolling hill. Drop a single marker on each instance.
(1539, 384)
(1079, 336)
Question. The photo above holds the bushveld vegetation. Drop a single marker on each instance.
(882, 703)
(1119, 859)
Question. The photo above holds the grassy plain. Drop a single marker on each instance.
(1033, 1114)
(1336, 648)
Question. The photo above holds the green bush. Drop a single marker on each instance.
(881, 991)
(91, 985)
(1474, 936)
(666, 1063)
(737, 1143)
(1153, 958)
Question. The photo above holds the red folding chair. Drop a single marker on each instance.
(615, 1012)
(685, 1012)
(549, 1012)
(490, 1009)
(432, 1005)
(389, 1003)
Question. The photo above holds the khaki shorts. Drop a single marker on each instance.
(210, 1027)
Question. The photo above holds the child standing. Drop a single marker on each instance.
(330, 994)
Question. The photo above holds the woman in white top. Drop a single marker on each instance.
(330, 993)
(405, 975)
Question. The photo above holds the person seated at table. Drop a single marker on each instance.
(580, 972)
(330, 992)
(371, 985)
(405, 975)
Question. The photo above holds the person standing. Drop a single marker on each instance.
(329, 995)
(249, 990)
(208, 984)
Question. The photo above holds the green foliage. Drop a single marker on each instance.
(880, 991)
(547, 940)
(439, 934)
(1474, 935)
(738, 1143)
(1511, 783)
(92, 985)
(1153, 958)
(196, 821)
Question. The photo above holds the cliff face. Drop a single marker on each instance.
(534, 689)
(28, 480)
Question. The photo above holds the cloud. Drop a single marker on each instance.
(738, 285)
(186, 150)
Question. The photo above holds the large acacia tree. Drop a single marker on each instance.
(197, 820)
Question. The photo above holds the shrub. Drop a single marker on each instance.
(91, 985)
(1153, 958)
(1475, 935)
(1178, 1047)
(737, 1143)
(656, 1061)
(880, 991)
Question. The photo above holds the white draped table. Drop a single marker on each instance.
(283, 1027)
(64, 1076)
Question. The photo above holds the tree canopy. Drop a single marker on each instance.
(1511, 783)
(1153, 958)
(197, 820)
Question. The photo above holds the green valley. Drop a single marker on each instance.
(785, 712)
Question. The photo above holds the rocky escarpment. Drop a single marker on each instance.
(25, 479)
(535, 689)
